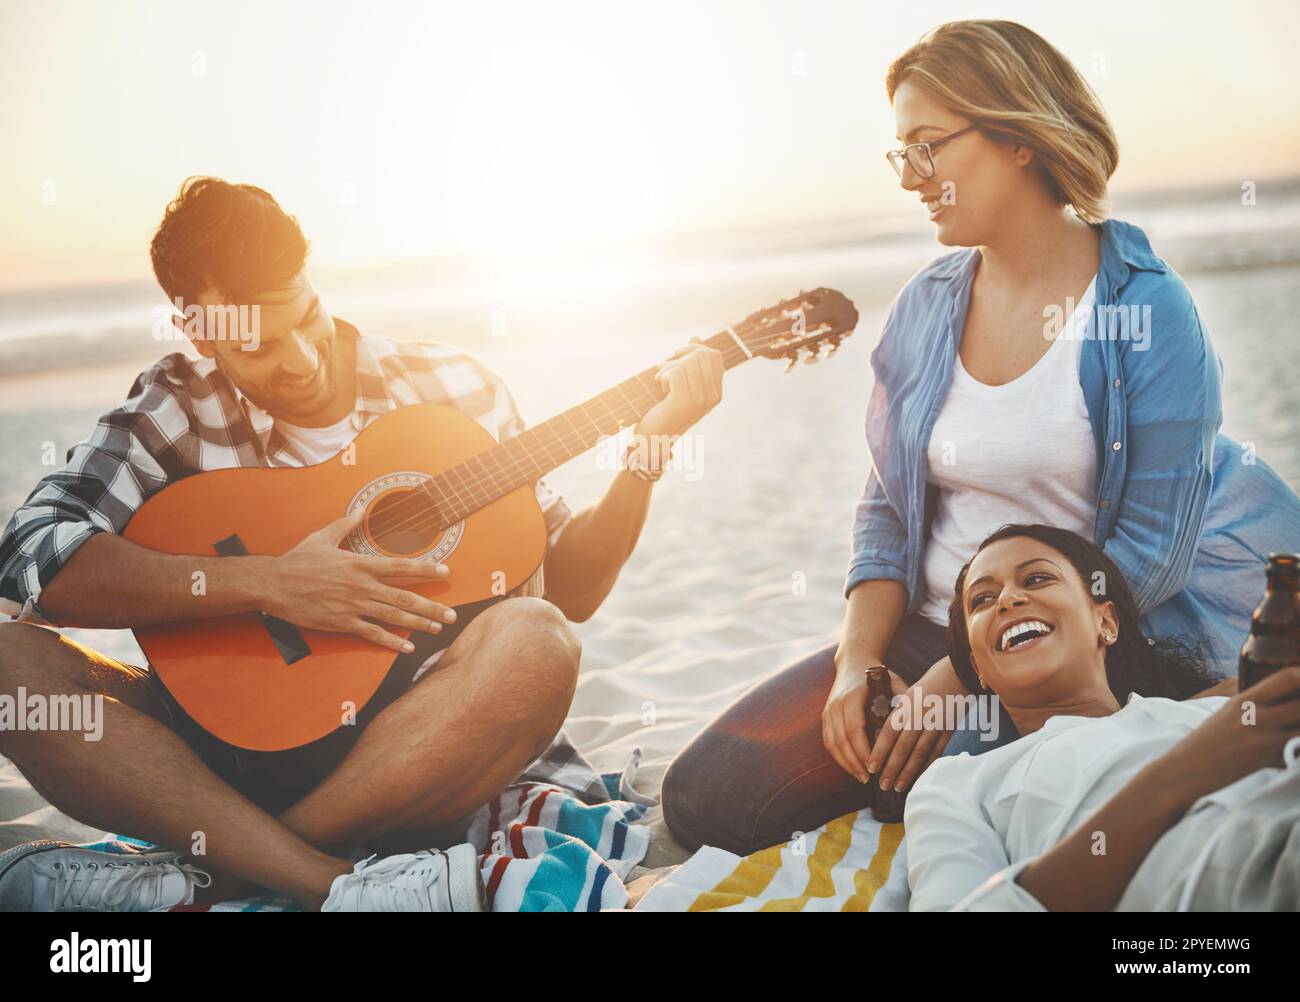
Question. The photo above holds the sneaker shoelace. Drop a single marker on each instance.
(106, 885)
(394, 884)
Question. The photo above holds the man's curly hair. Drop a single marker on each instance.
(232, 238)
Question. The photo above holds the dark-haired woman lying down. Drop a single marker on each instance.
(1122, 793)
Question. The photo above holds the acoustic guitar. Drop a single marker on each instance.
(435, 486)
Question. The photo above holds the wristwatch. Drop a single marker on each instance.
(635, 463)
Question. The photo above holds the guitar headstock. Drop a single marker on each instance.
(811, 324)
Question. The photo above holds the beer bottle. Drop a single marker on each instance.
(888, 804)
(1274, 640)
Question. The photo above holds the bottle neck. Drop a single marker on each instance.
(1282, 581)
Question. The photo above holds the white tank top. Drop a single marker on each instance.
(1019, 452)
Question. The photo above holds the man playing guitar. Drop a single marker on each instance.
(426, 761)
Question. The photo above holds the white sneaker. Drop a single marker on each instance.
(49, 876)
(425, 881)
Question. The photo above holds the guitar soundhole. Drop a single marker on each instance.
(399, 522)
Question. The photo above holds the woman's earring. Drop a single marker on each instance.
(1109, 638)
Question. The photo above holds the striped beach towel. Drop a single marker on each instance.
(562, 837)
(544, 850)
(851, 864)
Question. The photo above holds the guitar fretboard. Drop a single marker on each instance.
(463, 489)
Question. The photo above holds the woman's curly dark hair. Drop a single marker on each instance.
(1171, 667)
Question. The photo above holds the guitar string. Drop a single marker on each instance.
(480, 488)
(472, 489)
(508, 471)
(475, 490)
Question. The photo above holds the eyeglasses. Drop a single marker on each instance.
(921, 155)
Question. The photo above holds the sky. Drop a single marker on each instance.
(397, 130)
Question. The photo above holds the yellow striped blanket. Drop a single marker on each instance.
(851, 864)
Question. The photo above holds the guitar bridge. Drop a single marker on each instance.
(288, 639)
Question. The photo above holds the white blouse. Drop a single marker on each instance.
(974, 822)
(1019, 452)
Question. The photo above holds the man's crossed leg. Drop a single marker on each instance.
(493, 704)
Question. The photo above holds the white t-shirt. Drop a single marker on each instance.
(1020, 452)
(974, 822)
(315, 445)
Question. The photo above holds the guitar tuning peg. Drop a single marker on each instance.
(813, 358)
(790, 361)
(832, 347)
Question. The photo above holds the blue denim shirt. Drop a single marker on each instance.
(1188, 514)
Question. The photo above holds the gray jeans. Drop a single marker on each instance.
(759, 773)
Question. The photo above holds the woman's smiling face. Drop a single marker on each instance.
(977, 182)
(1034, 627)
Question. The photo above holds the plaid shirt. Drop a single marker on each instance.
(184, 416)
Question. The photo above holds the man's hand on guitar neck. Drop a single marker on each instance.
(692, 378)
(319, 586)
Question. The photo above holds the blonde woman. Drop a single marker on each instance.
(1053, 370)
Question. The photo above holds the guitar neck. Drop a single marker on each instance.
(466, 487)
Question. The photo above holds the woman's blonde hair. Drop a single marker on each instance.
(1017, 87)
